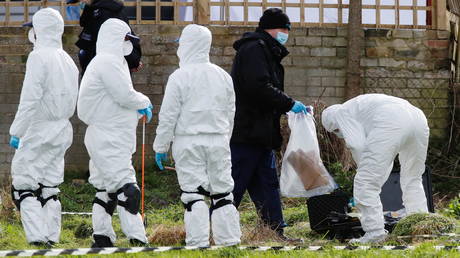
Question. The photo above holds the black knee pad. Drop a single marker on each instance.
(42, 200)
(188, 205)
(19, 195)
(108, 206)
(133, 195)
(220, 203)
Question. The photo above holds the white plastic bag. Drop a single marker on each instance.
(303, 173)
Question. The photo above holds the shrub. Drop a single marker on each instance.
(454, 208)
(424, 223)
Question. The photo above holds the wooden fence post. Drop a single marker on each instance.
(439, 15)
(201, 12)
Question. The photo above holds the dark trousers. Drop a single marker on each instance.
(253, 169)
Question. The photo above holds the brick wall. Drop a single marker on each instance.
(409, 64)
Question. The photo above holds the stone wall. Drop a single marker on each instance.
(409, 64)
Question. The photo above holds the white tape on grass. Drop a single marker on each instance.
(114, 250)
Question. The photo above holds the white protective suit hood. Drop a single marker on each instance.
(336, 117)
(48, 27)
(111, 38)
(194, 45)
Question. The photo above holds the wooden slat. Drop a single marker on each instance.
(200, 6)
(339, 13)
(227, 11)
(377, 13)
(321, 12)
(7, 12)
(245, 12)
(157, 11)
(26, 11)
(62, 10)
(302, 12)
(176, 11)
(138, 12)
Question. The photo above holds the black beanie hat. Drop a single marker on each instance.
(274, 18)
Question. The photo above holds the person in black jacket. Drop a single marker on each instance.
(94, 14)
(258, 79)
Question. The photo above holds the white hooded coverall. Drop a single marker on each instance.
(48, 98)
(197, 114)
(376, 128)
(108, 104)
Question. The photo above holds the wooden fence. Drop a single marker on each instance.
(423, 14)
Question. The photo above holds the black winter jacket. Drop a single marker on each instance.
(93, 16)
(258, 79)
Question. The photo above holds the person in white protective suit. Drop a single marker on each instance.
(376, 128)
(41, 131)
(111, 107)
(197, 113)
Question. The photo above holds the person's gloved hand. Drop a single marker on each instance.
(299, 107)
(159, 157)
(310, 110)
(146, 112)
(14, 142)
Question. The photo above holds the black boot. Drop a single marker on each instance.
(137, 242)
(283, 237)
(47, 245)
(101, 241)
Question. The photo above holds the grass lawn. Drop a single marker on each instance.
(165, 226)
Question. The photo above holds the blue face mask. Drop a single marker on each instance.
(282, 37)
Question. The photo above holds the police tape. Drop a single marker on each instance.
(115, 250)
(430, 236)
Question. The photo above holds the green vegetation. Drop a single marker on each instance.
(420, 223)
(164, 214)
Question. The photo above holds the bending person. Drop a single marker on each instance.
(41, 131)
(197, 114)
(111, 107)
(376, 128)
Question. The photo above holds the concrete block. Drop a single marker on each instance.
(299, 51)
(437, 43)
(308, 61)
(390, 62)
(323, 51)
(419, 65)
(333, 81)
(443, 34)
(334, 42)
(379, 52)
(420, 34)
(403, 34)
(368, 33)
(412, 53)
(322, 31)
(342, 32)
(333, 62)
(310, 41)
(368, 62)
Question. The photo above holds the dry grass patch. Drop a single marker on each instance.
(166, 235)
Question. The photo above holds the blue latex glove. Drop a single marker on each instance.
(159, 157)
(14, 142)
(146, 112)
(299, 107)
(310, 110)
